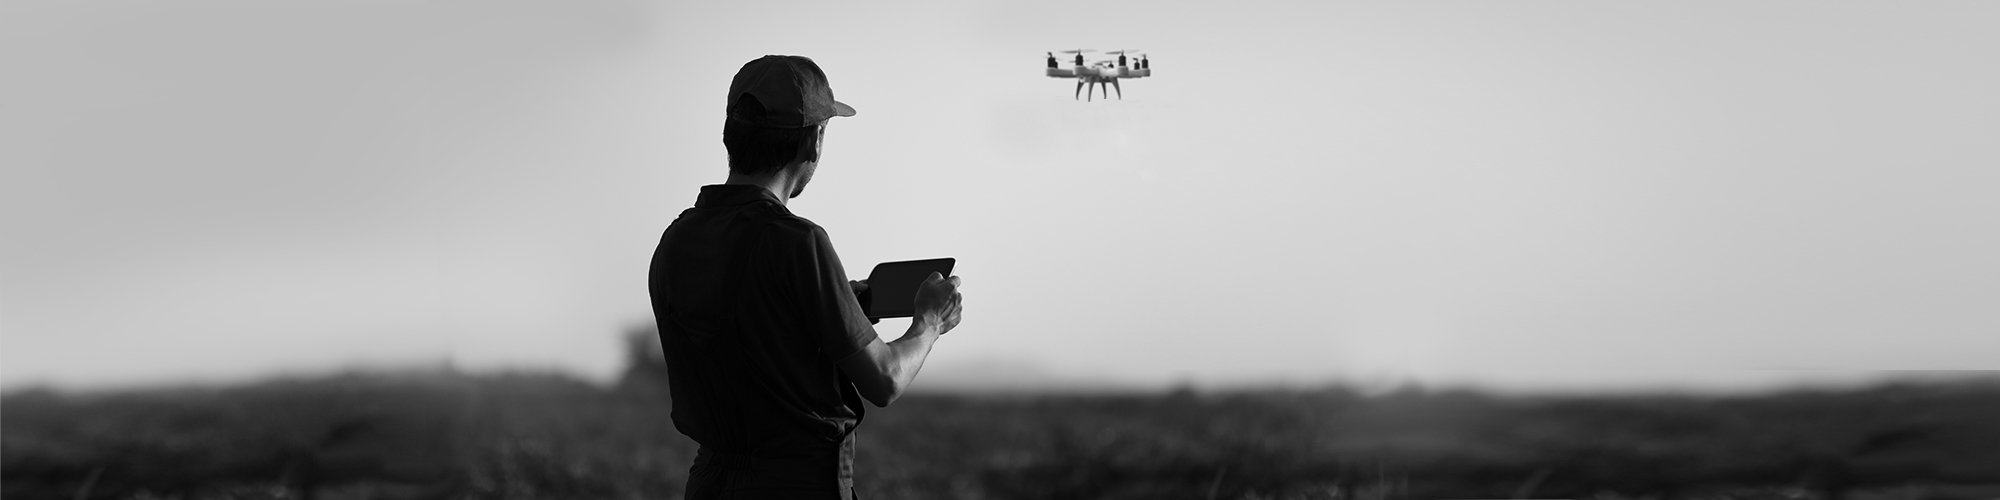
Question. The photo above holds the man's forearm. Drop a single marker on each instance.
(907, 354)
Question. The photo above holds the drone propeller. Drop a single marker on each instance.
(1134, 51)
(1077, 51)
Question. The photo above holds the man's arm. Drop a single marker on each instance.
(882, 370)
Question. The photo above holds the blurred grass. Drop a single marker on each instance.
(527, 435)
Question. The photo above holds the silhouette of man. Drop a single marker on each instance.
(768, 354)
(1052, 60)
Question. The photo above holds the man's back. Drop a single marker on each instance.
(754, 313)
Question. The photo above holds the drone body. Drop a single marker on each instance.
(1101, 73)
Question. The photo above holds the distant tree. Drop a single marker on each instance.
(645, 362)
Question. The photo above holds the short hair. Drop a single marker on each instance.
(755, 150)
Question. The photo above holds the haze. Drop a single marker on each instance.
(1519, 195)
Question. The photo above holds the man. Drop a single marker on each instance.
(768, 353)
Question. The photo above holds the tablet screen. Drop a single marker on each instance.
(892, 287)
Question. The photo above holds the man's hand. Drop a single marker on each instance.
(938, 302)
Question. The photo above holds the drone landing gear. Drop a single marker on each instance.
(1098, 86)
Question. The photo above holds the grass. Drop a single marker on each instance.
(551, 436)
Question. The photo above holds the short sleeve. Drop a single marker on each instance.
(832, 315)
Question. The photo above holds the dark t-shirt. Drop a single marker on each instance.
(755, 312)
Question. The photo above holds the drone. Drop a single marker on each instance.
(1101, 72)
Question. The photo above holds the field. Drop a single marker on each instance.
(529, 435)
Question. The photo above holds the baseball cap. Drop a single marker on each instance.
(783, 92)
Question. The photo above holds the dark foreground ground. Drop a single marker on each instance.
(549, 436)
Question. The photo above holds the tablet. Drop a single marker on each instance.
(892, 286)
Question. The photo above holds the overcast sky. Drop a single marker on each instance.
(1525, 195)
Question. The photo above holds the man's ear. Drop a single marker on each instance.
(809, 148)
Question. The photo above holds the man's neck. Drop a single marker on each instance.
(778, 184)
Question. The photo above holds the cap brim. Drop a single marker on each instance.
(842, 109)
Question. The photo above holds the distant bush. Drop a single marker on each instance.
(645, 363)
